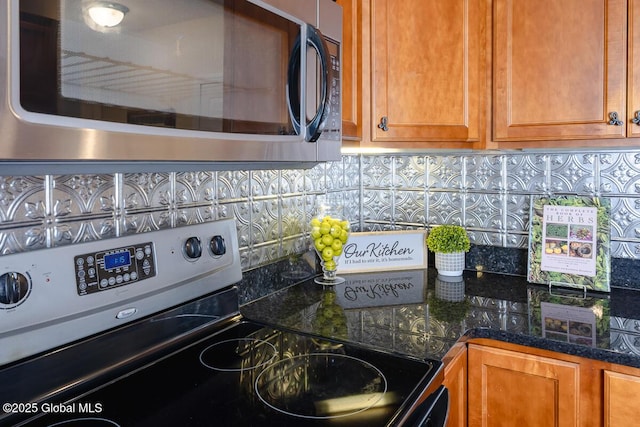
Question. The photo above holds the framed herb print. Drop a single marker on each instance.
(569, 242)
(569, 316)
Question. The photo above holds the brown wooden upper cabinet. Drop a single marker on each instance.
(560, 70)
(428, 68)
(491, 74)
(351, 72)
(633, 77)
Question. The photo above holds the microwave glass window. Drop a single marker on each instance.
(207, 65)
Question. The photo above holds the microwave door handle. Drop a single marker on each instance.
(316, 40)
(293, 84)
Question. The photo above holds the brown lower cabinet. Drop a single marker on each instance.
(620, 398)
(455, 379)
(494, 384)
(509, 388)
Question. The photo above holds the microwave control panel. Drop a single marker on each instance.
(103, 270)
(333, 123)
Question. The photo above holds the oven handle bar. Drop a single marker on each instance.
(431, 412)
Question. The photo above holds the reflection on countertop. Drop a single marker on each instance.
(421, 314)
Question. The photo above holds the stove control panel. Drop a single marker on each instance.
(54, 296)
(14, 288)
(99, 271)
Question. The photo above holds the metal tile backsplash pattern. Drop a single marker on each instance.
(625, 335)
(272, 207)
(488, 192)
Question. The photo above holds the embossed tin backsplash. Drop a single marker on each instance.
(487, 192)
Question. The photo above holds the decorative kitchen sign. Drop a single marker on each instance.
(569, 242)
(382, 289)
(383, 250)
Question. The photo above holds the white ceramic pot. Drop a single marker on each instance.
(450, 288)
(451, 264)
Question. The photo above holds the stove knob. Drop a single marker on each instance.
(193, 248)
(14, 287)
(217, 245)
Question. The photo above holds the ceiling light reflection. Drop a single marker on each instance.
(107, 14)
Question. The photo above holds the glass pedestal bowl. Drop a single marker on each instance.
(329, 234)
(330, 320)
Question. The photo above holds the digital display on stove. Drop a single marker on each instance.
(118, 259)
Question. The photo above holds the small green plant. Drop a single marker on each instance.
(448, 311)
(448, 238)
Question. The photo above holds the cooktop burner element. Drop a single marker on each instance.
(321, 386)
(86, 422)
(238, 354)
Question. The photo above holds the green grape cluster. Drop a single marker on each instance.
(329, 236)
(330, 320)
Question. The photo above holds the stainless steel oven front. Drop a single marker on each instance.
(166, 81)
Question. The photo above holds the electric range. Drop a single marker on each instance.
(171, 348)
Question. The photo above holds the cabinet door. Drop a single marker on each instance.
(508, 388)
(455, 379)
(621, 393)
(428, 67)
(351, 72)
(633, 73)
(559, 69)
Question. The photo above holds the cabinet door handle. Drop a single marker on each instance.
(383, 123)
(636, 118)
(614, 119)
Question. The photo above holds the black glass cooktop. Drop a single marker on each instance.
(251, 375)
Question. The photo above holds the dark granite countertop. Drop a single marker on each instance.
(419, 314)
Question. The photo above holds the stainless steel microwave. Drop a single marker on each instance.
(165, 81)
